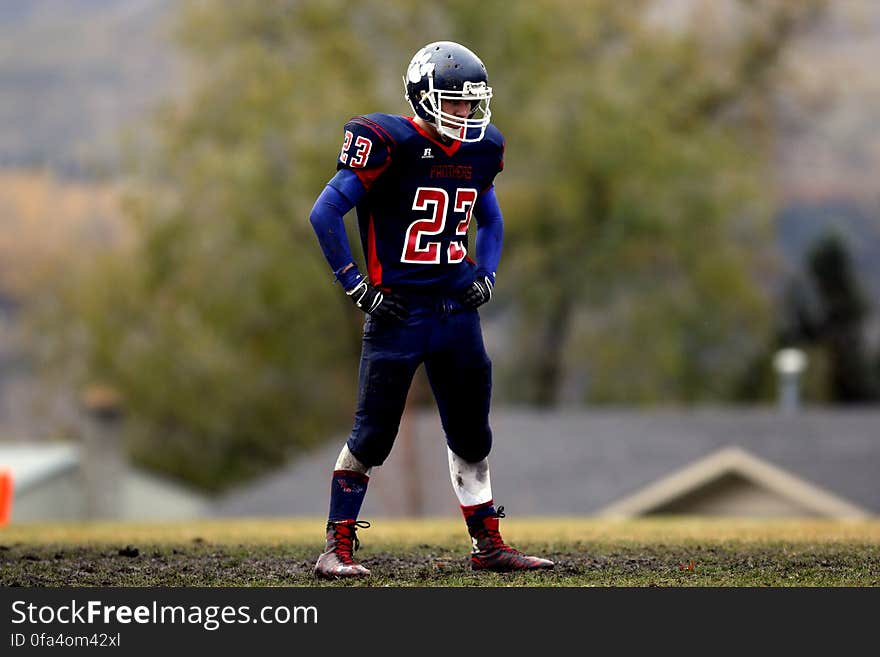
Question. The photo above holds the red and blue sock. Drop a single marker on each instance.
(347, 491)
(473, 515)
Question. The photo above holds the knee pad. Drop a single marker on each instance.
(470, 480)
(348, 461)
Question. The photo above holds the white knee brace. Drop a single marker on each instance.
(470, 480)
(348, 461)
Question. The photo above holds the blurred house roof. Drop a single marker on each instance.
(733, 473)
(586, 462)
(31, 465)
(55, 481)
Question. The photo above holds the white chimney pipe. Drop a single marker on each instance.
(789, 365)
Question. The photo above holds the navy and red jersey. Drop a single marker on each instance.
(419, 200)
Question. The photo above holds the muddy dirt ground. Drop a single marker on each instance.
(202, 564)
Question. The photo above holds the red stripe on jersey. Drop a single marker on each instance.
(375, 127)
(374, 267)
(368, 176)
(449, 150)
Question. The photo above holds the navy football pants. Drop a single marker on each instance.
(450, 344)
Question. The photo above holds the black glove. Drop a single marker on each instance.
(479, 292)
(376, 303)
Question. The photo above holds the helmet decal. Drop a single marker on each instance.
(420, 66)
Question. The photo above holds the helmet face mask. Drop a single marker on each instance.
(448, 71)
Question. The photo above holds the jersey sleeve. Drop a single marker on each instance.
(366, 150)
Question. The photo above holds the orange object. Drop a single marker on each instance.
(5, 497)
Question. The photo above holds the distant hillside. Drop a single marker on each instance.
(829, 148)
(52, 225)
(830, 144)
(74, 74)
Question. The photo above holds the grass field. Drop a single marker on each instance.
(588, 552)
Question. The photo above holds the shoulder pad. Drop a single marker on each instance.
(394, 127)
(493, 136)
(365, 145)
(495, 139)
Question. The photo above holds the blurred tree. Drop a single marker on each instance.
(838, 326)
(635, 194)
(220, 326)
(824, 312)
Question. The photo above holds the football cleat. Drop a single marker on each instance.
(342, 541)
(492, 553)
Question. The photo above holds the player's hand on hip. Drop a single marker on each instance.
(480, 290)
(377, 303)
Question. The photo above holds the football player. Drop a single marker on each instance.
(417, 182)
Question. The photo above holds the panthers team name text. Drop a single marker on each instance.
(462, 171)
